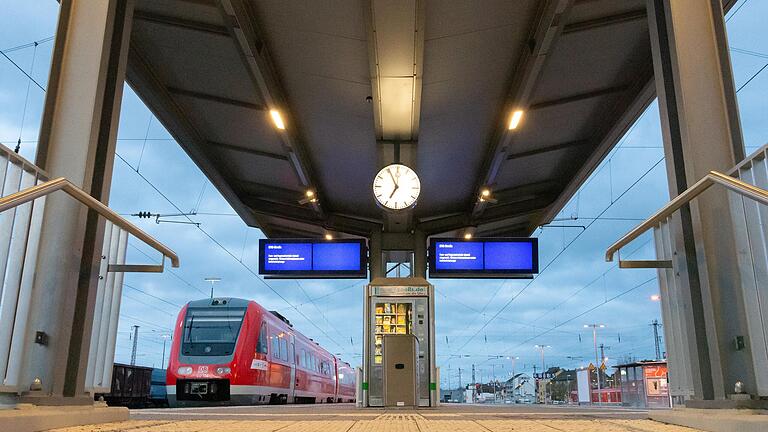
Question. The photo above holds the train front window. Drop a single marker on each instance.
(211, 332)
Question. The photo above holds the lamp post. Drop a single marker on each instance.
(513, 358)
(541, 349)
(594, 328)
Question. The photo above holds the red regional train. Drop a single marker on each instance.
(231, 351)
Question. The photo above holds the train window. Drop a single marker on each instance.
(283, 349)
(275, 346)
(261, 343)
(211, 332)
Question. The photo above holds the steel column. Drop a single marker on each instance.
(701, 132)
(77, 141)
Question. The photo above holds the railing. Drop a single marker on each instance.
(747, 186)
(24, 190)
(714, 177)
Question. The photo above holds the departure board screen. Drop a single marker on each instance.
(450, 255)
(483, 257)
(308, 258)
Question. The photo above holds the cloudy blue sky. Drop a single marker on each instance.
(477, 321)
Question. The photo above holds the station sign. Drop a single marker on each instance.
(498, 257)
(311, 258)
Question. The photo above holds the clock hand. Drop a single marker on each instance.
(392, 176)
(394, 190)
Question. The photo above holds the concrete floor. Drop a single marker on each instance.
(346, 418)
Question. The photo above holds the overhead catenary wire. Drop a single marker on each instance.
(170, 271)
(228, 252)
(525, 287)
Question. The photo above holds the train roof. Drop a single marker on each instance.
(219, 301)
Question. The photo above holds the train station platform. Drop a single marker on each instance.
(347, 418)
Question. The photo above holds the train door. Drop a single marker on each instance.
(292, 357)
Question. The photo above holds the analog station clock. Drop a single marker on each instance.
(396, 187)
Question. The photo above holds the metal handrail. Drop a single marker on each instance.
(62, 184)
(745, 189)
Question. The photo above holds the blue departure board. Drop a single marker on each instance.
(483, 257)
(288, 256)
(451, 255)
(307, 258)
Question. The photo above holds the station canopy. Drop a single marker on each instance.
(354, 83)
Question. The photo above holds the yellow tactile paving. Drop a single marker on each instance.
(384, 423)
(650, 426)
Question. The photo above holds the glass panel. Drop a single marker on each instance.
(283, 349)
(211, 332)
(390, 318)
(261, 344)
(275, 347)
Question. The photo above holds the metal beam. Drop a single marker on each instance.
(269, 191)
(154, 93)
(248, 150)
(548, 26)
(547, 149)
(181, 23)
(603, 21)
(244, 29)
(578, 97)
(616, 123)
(214, 98)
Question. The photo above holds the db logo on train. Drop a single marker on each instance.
(202, 370)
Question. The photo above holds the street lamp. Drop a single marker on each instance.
(594, 328)
(541, 349)
(514, 359)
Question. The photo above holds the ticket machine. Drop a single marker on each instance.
(399, 306)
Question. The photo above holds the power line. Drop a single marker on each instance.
(586, 312)
(150, 295)
(23, 71)
(29, 44)
(737, 10)
(171, 271)
(752, 77)
(225, 249)
(503, 308)
(147, 304)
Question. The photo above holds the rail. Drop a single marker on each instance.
(62, 184)
(745, 189)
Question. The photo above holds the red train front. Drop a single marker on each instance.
(232, 351)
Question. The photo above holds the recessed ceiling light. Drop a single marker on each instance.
(514, 120)
(277, 119)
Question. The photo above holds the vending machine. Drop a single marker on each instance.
(399, 306)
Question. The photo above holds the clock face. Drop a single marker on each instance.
(396, 187)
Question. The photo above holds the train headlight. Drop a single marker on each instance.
(184, 370)
(223, 370)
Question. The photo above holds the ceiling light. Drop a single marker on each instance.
(277, 119)
(514, 120)
(485, 193)
(328, 237)
(468, 236)
(310, 193)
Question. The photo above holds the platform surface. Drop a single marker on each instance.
(347, 418)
